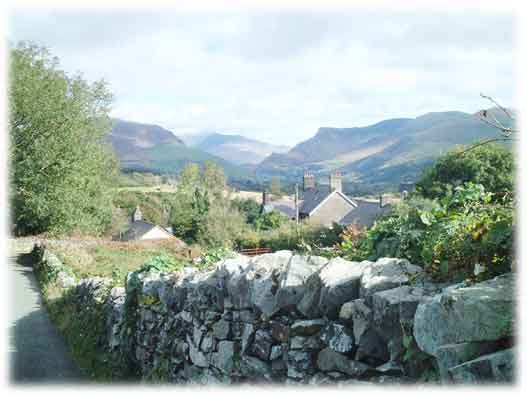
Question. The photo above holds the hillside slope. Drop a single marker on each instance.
(385, 153)
(145, 147)
(235, 148)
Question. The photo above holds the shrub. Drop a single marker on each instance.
(490, 165)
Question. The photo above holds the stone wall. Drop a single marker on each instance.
(286, 318)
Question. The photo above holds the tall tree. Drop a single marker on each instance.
(62, 168)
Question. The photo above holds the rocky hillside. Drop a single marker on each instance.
(146, 147)
(388, 152)
(284, 318)
(235, 148)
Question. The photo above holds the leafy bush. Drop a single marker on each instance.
(490, 165)
(468, 233)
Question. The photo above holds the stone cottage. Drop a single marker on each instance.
(327, 204)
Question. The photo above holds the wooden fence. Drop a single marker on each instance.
(255, 251)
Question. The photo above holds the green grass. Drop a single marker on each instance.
(116, 260)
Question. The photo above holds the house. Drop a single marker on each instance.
(144, 230)
(327, 204)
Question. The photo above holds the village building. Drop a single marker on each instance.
(327, 204)
(143, 230)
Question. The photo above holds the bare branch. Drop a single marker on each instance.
(498, 106)
(484, 143)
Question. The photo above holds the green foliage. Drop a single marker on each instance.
(62, 169)
(466, 234)
(288, 237)
(271, 220)
(214, 255)
(490, 165)
(249, 208)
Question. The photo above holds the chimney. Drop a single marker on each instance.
(264, 199)
(137, 215)
(335, 181)
(308, 180)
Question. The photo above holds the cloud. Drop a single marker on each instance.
(280, 76)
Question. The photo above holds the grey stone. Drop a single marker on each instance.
(340, 284)
(309, 304)
(498, 367)
(307, 327)
(481, 312)
(386, 273)
(262, 344)
(207, 344)
(393, 308)
(390, 368)
(330, 360)
(320, 379)
(362, 317)
(276, 352)
(255, 368)
(221, 329)
(338, 338)
(450, 355)
(292, 281)
(306, 343)
(224, 358)
(196, 356)
(299, 359)
(247, 336)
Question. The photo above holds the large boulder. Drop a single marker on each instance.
(335, 284)
(340, 281)
(387, 273)
(394, 308)
(494, 368)
(481, 312)
(293, 279)
(451, 355)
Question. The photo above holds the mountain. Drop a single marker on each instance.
(385, 153)
(146, 147)
(235, 148)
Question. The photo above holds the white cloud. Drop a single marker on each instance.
(279, 77)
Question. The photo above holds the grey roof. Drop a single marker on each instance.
(284, 207)
(365, 214)
(312, 198)
(138, 229)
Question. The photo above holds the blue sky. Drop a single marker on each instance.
(279, 76)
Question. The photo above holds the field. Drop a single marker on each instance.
(116, 259)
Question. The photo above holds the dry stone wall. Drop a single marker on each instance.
(286, 318)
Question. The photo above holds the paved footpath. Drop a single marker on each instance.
(37, 353)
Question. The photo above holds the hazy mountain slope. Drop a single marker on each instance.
(387, 152)
(130, 138)
(146, 147)
(235, 148)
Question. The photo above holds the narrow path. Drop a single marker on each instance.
(37, 353)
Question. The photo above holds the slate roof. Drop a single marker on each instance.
(283, 206)
(312, 198)
(138, 229)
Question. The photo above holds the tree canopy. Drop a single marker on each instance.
(62, 168)
(490, 165)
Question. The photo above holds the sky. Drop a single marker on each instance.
(279, 76)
